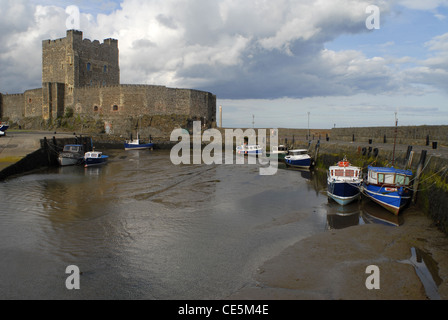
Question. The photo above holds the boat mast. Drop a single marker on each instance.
(395, 138)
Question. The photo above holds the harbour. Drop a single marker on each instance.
(140, 227)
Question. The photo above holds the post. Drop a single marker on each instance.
(417, 175)
(220, 116)
(408, 157)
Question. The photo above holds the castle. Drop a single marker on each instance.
(82, 78)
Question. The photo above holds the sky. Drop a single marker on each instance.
(271, 64)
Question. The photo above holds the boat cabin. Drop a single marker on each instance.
(389, 176)
(73, 148)
(280, 149)
(344, 170)
(298, 152)
(94, 154)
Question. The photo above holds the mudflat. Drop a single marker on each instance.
(332, 265)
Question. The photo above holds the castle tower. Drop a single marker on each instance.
(73, 62)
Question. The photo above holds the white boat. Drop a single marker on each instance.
(279, 151)
(250, 149)
(94, 158)
(298, 158)
(71, 154)
(344, 182)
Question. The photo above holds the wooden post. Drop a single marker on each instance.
(417, 175)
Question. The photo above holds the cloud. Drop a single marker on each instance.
(236, 49)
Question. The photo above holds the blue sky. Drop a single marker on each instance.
(274, 60)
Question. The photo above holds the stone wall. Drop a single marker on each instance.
(417, 135)
(33, 103)
(13, 106)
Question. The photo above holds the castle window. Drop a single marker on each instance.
(105, 69)
(89, 66)
(115, 108)
(95, 108)
(29, 100)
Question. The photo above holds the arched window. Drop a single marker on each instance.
(105, 69)
(115, 108)
(89, 66)
(95, 108)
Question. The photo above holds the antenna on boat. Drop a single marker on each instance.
(395, 138)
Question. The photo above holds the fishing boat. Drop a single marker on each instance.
(298, 158)
(388, 187)
(250, 149)
(94, 158)
(344, 182)
(136, 144)
(279, 151)
(71, 154)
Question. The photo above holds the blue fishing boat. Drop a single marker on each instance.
(136, 144)
(298, 158)
(389, 187)
(94, 158)
(344, 182)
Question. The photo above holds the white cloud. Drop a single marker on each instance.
(256, 49)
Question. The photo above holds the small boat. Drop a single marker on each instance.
(344, 182)
(3, 127)
(136, 144)
(71, 154)
(250, 149)
(94, 158)
(298, 158)
(279, 151)
(389, 187)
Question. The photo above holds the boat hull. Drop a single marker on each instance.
(65, 161)
(89, 162)
(4, 127)
(143, 146)
(393, 201)
(298, 163)
(343, 192)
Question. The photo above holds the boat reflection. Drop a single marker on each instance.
(358, 213)
(372, 213)
(340, 217)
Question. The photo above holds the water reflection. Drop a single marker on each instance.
(427, 270)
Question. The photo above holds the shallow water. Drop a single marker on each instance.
(143, 228)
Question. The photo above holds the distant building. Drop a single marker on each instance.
(83, 77)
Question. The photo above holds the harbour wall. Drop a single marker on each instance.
(45, 156)
(412, 135)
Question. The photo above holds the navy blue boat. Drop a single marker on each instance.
(344, 182)
(94, 158)
(298, 158)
